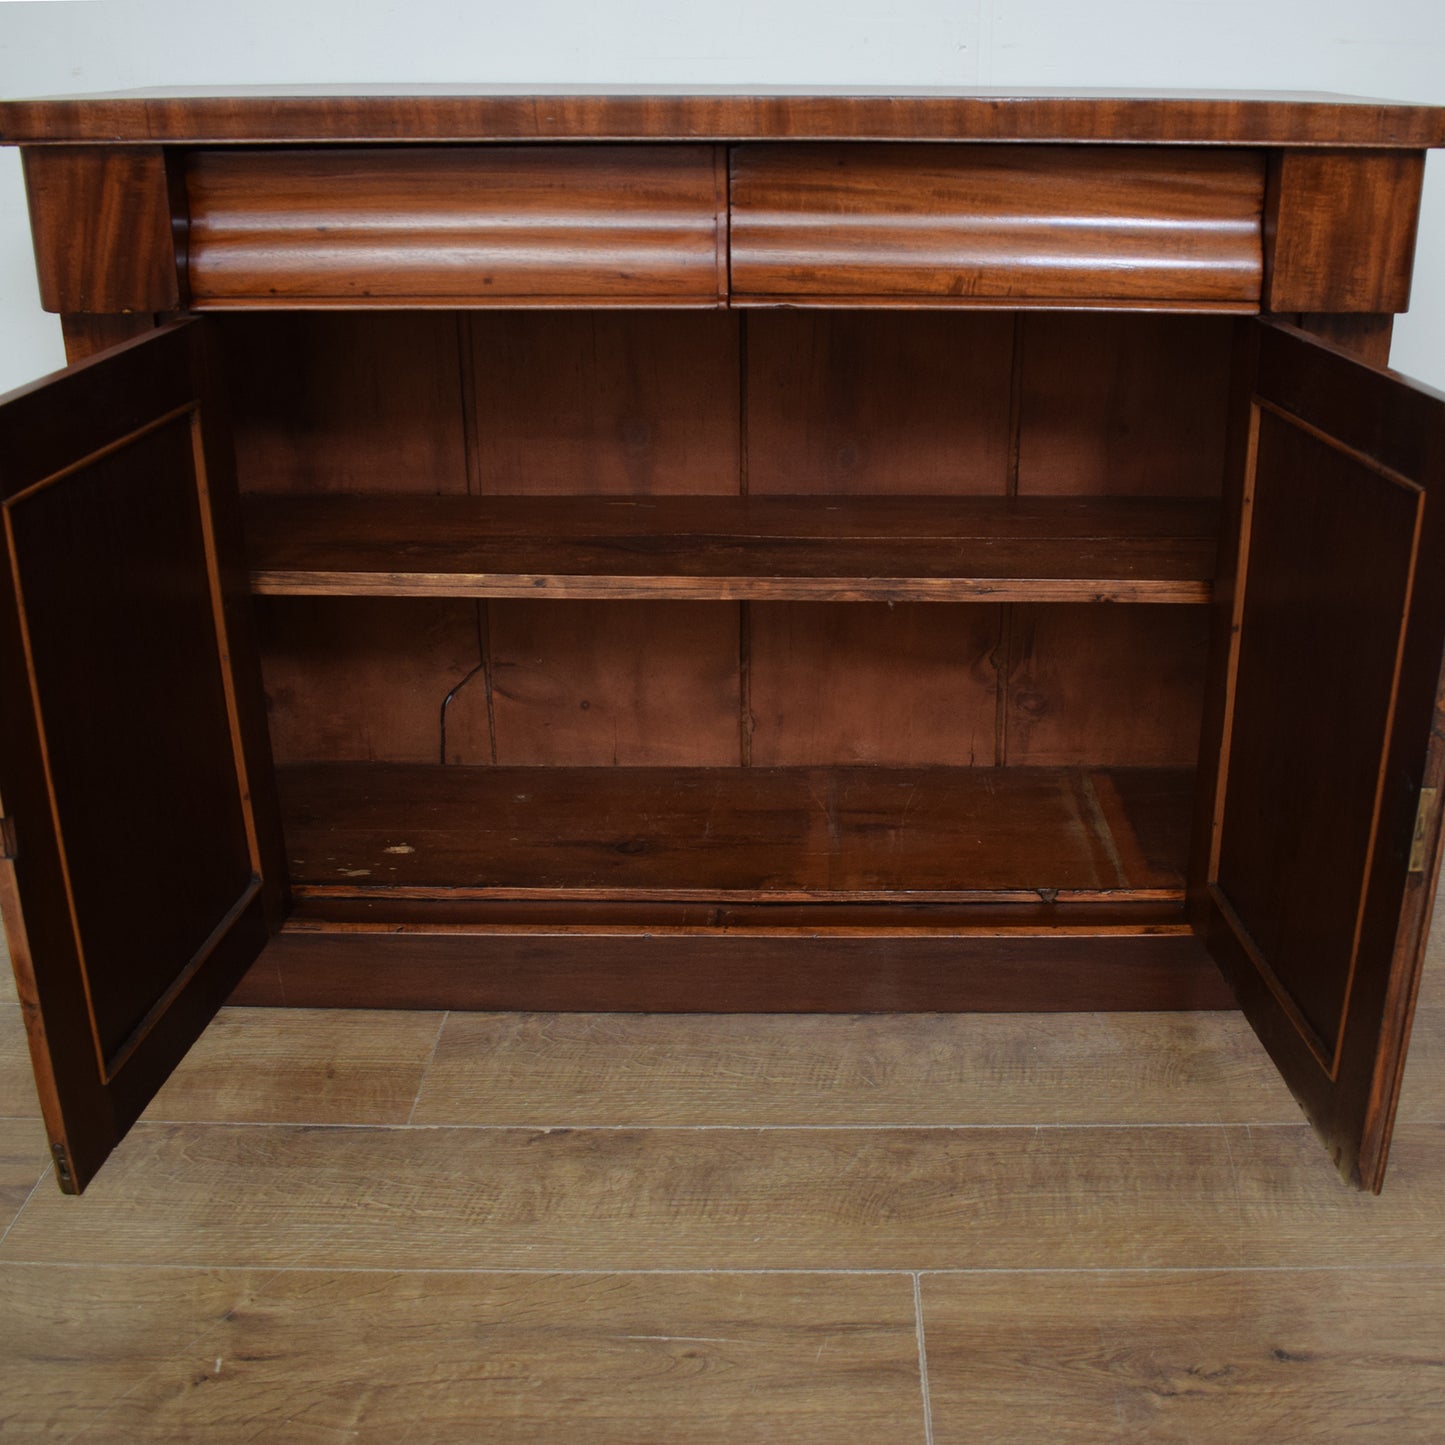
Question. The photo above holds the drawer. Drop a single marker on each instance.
(457, 226)
(978, 224)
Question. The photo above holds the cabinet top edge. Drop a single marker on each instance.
(448, 113)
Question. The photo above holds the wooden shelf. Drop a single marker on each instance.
(735, 835)
(790, 548)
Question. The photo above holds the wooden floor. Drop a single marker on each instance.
(415, 1227)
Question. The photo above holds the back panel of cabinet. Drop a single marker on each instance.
(816, 404)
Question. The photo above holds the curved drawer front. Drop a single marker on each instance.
(980, 224)
(459, 226)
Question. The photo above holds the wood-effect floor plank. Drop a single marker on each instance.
(1230, 1358)
(575, 1070)
(18, 1099)
(175, 1354)
(24, 1159)
(309, 1066)
(1097, 1198)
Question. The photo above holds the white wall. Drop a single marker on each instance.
(1387, 48)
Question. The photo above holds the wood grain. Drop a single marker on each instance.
(899, 224)
(1005, 1198)
(707, 833)
(24, 1163)
(899, 685)
(1225, 1356)
(1340, 229)
(848, 403)
(1122, 405)
(1112, 686)
(526, 113)
(347, 403)
(177, 1354)
(301, 1065)
(349, 952)
(576, 1070)
(119, 512)
(893, 549)
(605, 403)
(495, 225)
(17, 1080)
(614, 684)
(101, 219)
(86, 336)
(1331, 553)
(364, 679)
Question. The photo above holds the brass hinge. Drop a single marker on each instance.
(1424, 815)
(62, 1162)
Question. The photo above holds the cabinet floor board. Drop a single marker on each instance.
(726, 833)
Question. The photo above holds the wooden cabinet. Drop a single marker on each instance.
(721, 553)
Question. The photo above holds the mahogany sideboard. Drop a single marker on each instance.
(510, 550)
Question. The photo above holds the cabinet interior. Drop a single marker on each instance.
(622, 606)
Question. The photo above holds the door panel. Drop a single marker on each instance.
(1310, 887)
(129, 746)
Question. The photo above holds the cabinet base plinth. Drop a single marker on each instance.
(318, 965)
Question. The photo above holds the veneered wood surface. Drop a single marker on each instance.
(1331, 553)
(119, 605)
(877, 403)
(1365, 333)
(462, 112)
(1228, 1356)
(898, 224)
(101, 219)
(1385, 435)
(701, 832)
(593, 226)
(893, 549)
(1340, 230)
(85, 335)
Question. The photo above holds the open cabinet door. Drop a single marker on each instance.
(137, 881)
(1315, 870)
